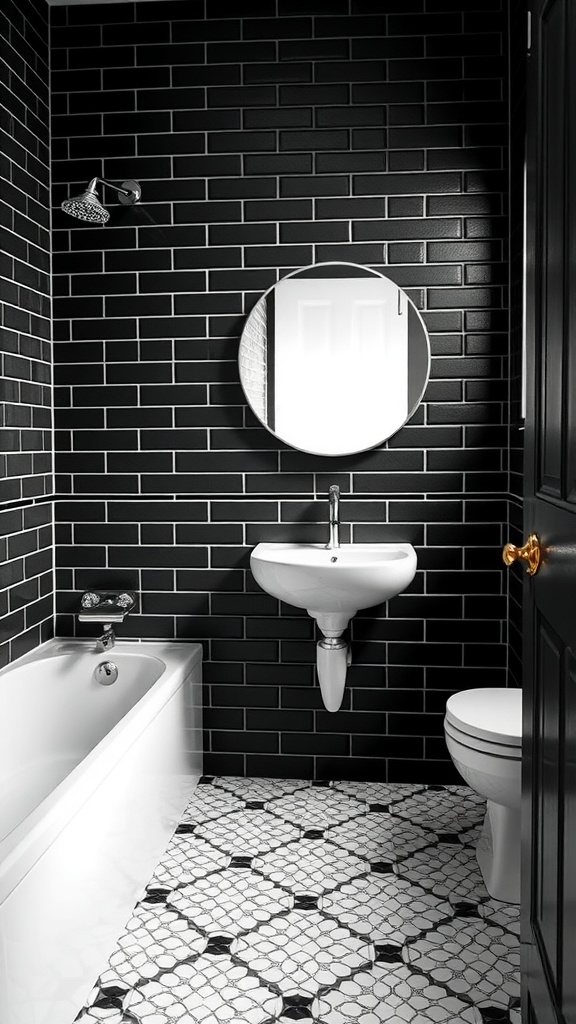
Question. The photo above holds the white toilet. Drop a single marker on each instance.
(483, 730)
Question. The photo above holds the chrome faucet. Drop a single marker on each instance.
(334, 518)
(106, 607)
(107, 640)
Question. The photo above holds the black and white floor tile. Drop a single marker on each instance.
(348, 903)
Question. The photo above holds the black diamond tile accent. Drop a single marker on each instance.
(105, 1001)
(156, 895)
(206, 780)
(463, 909)
(388, 954)
(109, 997)
(241, 862)
(114, 992)
(296, 1007)
(494, 1015)
(186, 828)
(448, 837)
(379, 808)
(305, 901)
(382, 867)
(321, 783)
(219, 945)
(314, 833)
(255, 805)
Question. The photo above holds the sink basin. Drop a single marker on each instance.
(332, 584)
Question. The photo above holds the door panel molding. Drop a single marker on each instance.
(548, 940)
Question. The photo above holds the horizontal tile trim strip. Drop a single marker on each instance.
(479, 496)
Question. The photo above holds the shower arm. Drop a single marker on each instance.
(132, 194)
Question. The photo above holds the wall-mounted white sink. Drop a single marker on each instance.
(332, 584)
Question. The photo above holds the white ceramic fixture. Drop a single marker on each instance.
(483, 730)
(93, 781)
(332, 584)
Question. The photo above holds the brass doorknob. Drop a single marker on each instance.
(531, 552)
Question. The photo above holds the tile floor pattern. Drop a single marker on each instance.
(341, 903)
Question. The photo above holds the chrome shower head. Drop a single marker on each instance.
(87, 205)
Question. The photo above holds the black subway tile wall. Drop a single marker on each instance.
(265, 138)
(518, 58)
(26, 482)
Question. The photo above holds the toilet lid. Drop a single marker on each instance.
(493, 714)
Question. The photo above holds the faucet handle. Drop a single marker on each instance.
(107, 606)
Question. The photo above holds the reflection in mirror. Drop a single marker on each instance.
(334, 359)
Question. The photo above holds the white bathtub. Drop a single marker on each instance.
(93, 781)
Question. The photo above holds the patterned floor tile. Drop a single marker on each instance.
(386, 908)
(303, 951)
(310, 866)
(209, 991)
(392, 996)
(209, 802)
(504, 914)
(156, 938)
(472, 957)
(471, 836)
(379, 837)
(107, 1004)
(317, 807)
(448, 870)
(341, 903)
(259, 789)
(383, 793)
(230, 901)
(189, 857)
(247, 832)
(443, 809)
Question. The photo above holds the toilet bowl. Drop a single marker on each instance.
(483, 732)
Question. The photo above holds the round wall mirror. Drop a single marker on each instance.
(334, 359)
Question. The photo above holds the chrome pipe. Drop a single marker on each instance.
(334, 517)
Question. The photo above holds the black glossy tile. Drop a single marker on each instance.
(319, 85)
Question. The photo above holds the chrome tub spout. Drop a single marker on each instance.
(107, 640)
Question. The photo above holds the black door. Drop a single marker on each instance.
(549, 785)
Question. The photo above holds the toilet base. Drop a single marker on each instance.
(498, 852)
